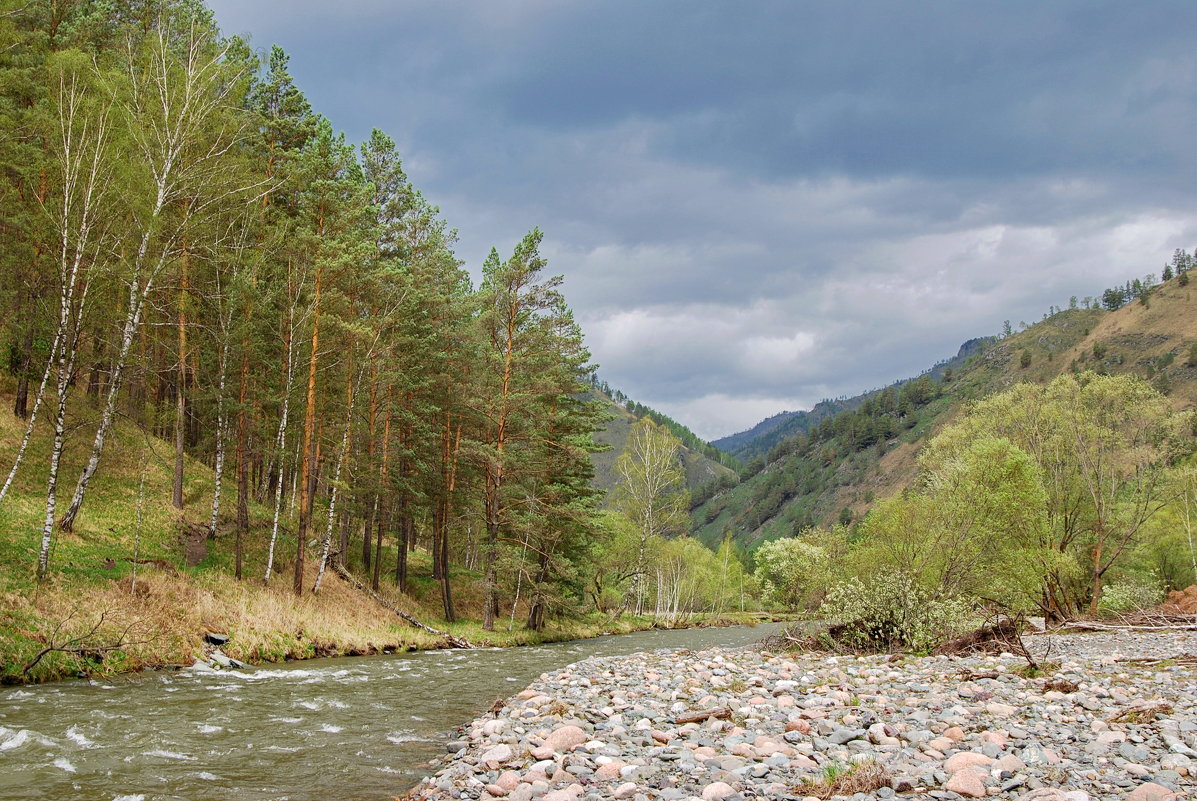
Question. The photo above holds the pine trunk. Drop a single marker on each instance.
(20, 406)
(180, 388)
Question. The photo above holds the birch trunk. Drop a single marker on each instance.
(83, 153)
(37, 403)
(280, 443)
(342, 457)
(177, 94)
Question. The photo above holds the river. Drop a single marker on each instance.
(349, 729)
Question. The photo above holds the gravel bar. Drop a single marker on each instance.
(782, 726)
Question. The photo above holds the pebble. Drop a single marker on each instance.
(606, 727)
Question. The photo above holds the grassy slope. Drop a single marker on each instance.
(1138, 339)
(172, 604)
(699, 469)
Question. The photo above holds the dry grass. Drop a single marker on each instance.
(169, 612)
(1143, 712)
(836, 779)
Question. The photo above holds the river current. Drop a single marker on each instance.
(351, 729)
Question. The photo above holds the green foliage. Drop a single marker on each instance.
(1131, 594)
(796, 573)
(313, 333)
(974, 528)
(889, 610)
(1100, 447)
(683, 434)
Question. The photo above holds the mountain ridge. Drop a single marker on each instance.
(838, 467)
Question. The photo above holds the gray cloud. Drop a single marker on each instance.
(760, 205)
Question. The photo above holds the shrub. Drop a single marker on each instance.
(1132, 594)
(892, 611)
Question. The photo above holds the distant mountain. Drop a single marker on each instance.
(767, 433)
(804, 472)
(762, 437)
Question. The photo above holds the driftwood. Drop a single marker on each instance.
(720, 713)
(85, 645)
(1181, 659)
(452, 639)
(1173, 623)
(999, 635)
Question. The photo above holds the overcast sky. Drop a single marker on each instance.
(757, 205)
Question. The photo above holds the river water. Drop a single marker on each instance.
(351, 729)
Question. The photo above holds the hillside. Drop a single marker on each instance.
(835, 469)
(767, 433)
(700, 468)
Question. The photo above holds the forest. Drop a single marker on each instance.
(194, 254)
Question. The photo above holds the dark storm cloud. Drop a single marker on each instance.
(760, 204)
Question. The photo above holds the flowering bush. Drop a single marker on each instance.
(1131, 594)
(892, 611)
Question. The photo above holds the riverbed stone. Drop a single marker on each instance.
(1044, 794)
(1150, 791)
(605, 726)
(717, 791)
(966, 759)
(498, 755)
(565, 738)
(966, 783)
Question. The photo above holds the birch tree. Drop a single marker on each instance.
(178, 113)
(81, 146)
(651, 493)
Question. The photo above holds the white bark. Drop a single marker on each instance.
(332, 511)
(174, 104)
(336, 487)
(82, 143)
(280, 442)
(221, 433)
(649, 474)
(37, 402)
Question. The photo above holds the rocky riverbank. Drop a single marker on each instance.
(783, 726)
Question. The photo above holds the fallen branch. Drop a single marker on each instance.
(969, 675)
(82, 645)
(451, 639)
(1182, 659)
(720, 713)
(1143, 712)
(1087, 625)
